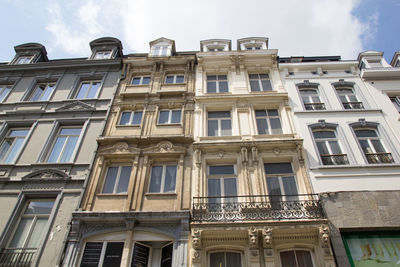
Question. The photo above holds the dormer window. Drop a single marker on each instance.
(24, 60)
(215, 45)
(160, 50)
(397, 63)
(253, 47)
(162, 47)
(252, 43)
(215, 49)
(103, 54)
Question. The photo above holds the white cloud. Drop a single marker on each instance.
(307, 27)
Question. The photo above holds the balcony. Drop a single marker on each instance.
(314, 106)
(256, 208)
(379, 158)
(18, 257)
(336, 159)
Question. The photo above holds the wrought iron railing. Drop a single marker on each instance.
(256, 208)
(337, 159)
(17, 257)
(314, 106)
(353, 105)
(374, 158)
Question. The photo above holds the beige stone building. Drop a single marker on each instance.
(252, 201)
(136, 208)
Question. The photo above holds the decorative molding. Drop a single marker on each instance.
(253, 238)
(76, 106)
(244, 155)
(165, 147)
(267, 237)
(47, 174)
(324, 235)
(119, 148)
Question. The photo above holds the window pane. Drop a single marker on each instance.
(223, 87)
(140, 256)
(125, 117)
(137, 118)
(221, 169)
(219, 114)
(93, 90)
(266, 84)
(260, 113)
(155, 180)
(253, 76)
(211, 87)
(324, 134)
(180, 79)
(322, 148)
(47, 92)
(230, 188)
(211, 77)
(212, 128)
(233, 259)
(222, 77)
(21, 233)
(169, 79)
(37, 233)
(163, 118)
(273, 186)
(272, 112)
(176, 116)
(170, 177)
(366, 133)
(303, 258)
(69, 149)
(83, 90)
(365, 146)
(39, 207)
(276, 126)
(124, 179)
(38, 92)
(14, 150)
(262, 126)
(335, 147)
(255, 86)
(57, 148)
(110, 180)
(4, 148)
(146, 80)
(166, 256)
(378, 146)
(288, 259)
(70, 131)
(289, 185)
(113, 254)
(264, 76)
(278, 168)
(4, 93)
(217, 259)
(226, 127)
(136, 81)
(214, 187)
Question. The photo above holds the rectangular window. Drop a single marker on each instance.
(42, 92)
(4, 90)
(311, 100)
(131, 118)
(260, 82)
(219, 123)
(296, 258)
(64, 144)
(102, 254)
(162, 179)
(225, 259)
(176, 78)
(12, 144)
(24, 60)
(171, 116)
(268, 121)
(348, 98)
(103, 54)
(217, 84)
(222, 187)
(328, 147)
(88, 89)
(117, 180)
(140, 80)
(161, 50)
(281, 183)
(396, 102)
(372, 146)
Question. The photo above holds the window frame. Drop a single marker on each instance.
(348, 104)
(224, 198)
(131, 117)
(18, 153)
(141, 78)
(102, 52)
(311, 102)
(260, 80)
(175, 75)
(225, 251)
(27, 57)
(103, 250)
(43, 92)
(326, 141)
(396, 102)
(117, 179)
(219, 123)
(283, 196)
(3, 88)
(161, 50)
(90, 81)
(170, 116)
(268, 118)
(217, 83)
(294, 250)
(163, 177)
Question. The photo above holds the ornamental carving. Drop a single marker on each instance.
(267, 237)
(196, 244)
(119, 148)
(165, 147)
(47, 174)
(253, 237)
(324, 235)
(243, 152)
(76, 106)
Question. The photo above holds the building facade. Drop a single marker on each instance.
(350, 132)
(135, 211)
(51, 112)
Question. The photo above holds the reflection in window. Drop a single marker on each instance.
(88, 89)
(372, 146)
(163, 179)
(64, 144)
(131, 118)
(260, 82)
(140, 80)
(268, 121)
(42, 92)
(219, 123)
(117, 180)
(4, 90)
(12, 144)
(103, 54)
(217, 84)
(174, 78)
(24, 60)
(171, 116)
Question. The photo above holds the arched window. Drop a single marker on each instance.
(328, 146)
(311, 99)
(348, 98)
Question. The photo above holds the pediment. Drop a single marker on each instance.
(76, 106)
(165, 147)
(120, 148)
(47, 174)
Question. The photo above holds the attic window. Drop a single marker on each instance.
(253, 46)
(24, 60)
(215, 48)
(160, 50)
(106, 54)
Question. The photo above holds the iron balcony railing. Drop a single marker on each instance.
(17, 257)
(256, 208)
(336, 159)
(382, 157)
(314, 106)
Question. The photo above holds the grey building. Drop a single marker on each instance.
(51, 112)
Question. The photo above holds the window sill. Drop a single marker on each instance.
(264, 91)
(169, 124)
(110, 195)
(128, 125)
(216, 93)
(139, 85)
(173, 84)
(357, 166)
(160, 195)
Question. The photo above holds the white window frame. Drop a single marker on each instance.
(161, 50)
(217, 81)
(24, 59)
(91, 84)
(280, 176)
(163, 174)
(310, 98)
(7, 136)
(349, 104)
(327, 141)
(259, 80)
(221, 178)
(175, 77)
(215, 48)
(169, 122)
(219, 122)
(47, 85)
(268, 118)
(131, 116)
(396, 102)
(5, 90)
(117, 179)
(104, 54)
(57, 135)
(141, 79)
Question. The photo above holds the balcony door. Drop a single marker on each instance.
(222, 187)
(225, 259)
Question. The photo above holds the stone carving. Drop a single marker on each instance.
(324, 235)
(254, 154)
(197, 157)
(267, 237)
(243, 152)
(196, 244)
(253, 237)
(76, 106)
(47, 174)
(119, 148)
(276, 151)
(220, 154)
(164, 146)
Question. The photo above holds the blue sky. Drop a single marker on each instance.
(306, 27)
